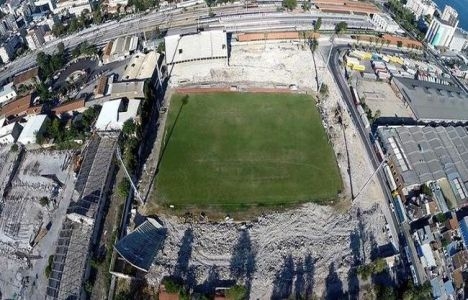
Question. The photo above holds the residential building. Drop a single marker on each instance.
(50, 4)
(35, 37)
(450, 15)
(74, 7)
(34, 126)
(459, 41)
(69, 107)
(440, 33)
(7, 93)
(18, 107)
(421, 7)
(385, 23)
(10, 133)
(205, 45)
(8, 48)
(101, 87)
(114, 3)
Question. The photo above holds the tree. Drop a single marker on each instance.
(129, 127)
(306, 5)
(290, 4)
(123, 188)
(313, 44)
(44, 201)
(399, 44)
(341, 27)
(14, 148)
(161, 47)
(324, 89)
(318, 24)
(237, 292)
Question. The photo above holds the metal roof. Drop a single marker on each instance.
(433, 101)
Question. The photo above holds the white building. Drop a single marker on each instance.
(459, 41)
(385, 23)
(440, 33)
(10, 133)
(35, 37)
(114, 114)
(74, 7)
(34, 126)
(421, 7)
(7, 93)
(119, 49)
(115, 3)
(200, 46)
(450, 15)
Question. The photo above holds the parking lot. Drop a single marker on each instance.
(380, 96)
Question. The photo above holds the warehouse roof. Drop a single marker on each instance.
(141, 66)
(128, 89)
(432, 101)
(423, 154)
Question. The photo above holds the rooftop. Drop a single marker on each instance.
(32, 126)
(202, 45)
(432, 101)
(141, 66)
(26, 76)
(16, 107)
(141, 246)
(114, 114)
(128, 89)
(69, 106)
(423, 154)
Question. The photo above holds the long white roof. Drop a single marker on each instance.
(111, 119)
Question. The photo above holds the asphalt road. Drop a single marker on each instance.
(397, 231)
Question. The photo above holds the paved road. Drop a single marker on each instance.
(396, 230)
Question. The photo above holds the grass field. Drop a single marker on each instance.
(233, 150)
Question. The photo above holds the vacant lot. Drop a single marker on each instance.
(231, 151)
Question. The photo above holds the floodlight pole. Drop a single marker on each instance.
(119, 157)
(381, 165)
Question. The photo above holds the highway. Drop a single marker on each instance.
(397, 231)
(232, 18)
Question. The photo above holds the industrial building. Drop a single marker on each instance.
(419, 155)
(119, 49)
(433, 102)
(141, 66)
(205, 45)
(70, 267)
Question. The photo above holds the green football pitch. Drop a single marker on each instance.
(230, 151)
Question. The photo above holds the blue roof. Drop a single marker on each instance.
(436, 289)
(449, 287)
(464, 230)
(452, 248)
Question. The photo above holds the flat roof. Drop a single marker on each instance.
(140, 247)
(129, 89)
(423, 154)
(112, 118)
(32, 126)
(431, 101)
(202, 45)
